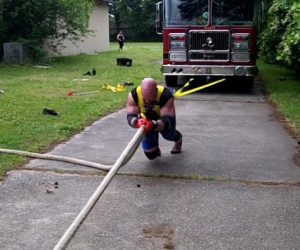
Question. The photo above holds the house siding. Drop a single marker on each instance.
(96, 42)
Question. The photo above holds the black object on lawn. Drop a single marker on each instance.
(49, 112)
(124, 61)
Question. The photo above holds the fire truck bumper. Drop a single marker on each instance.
(207, 70)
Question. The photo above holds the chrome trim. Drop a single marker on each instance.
(206, 70)
(175, 35)
(209, 51)
(213, 53)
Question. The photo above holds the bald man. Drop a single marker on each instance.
(152, 106)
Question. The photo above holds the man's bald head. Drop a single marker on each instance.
(149, 89)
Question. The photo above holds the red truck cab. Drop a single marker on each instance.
(208, 38)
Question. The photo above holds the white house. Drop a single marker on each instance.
(99, 40)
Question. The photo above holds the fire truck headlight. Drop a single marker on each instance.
(177, 56)
(240, 41)
(177, 41)
(177, 45)
(240, 57)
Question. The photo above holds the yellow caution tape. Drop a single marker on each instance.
(117, 88)
(180, 92)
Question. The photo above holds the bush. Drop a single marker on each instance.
(288, 51)
(38, 20)
(280, 40)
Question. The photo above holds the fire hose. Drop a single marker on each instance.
(125, 156)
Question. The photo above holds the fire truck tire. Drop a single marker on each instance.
(245, 82)
(171, 81)
(248, 82)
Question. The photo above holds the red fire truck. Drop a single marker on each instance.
(209, 38)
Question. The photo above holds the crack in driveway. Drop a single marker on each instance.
(172, 176)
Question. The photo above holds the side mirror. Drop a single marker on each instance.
(158, 18)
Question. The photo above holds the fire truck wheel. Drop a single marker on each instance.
(171, 81)
(244, 82)
(248, 82)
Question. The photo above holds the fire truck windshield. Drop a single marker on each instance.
(196, 12)
(186, 12)
(232, 12)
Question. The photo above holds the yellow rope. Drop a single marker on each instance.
(181, 92)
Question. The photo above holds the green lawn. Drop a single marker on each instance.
(28, 90)
(283, 87)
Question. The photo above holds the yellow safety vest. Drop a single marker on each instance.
(156, 108)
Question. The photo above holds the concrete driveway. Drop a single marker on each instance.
(235, 185)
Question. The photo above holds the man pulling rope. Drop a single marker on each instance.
(152, 106)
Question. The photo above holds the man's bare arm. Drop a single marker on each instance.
(131, 107)
(132, 111)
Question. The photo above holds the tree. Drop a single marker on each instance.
(280, 39)
(271, 35)
(114, 10)
(34, 21)
(288, 51)
(137, 17)
(1, 27)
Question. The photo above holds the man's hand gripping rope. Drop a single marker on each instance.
(148, 125)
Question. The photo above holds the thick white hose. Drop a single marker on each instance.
(129, 150)
(57, 158)
(121, 161)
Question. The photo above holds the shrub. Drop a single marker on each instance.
(280, 40)
(288, 51)
(37, 20)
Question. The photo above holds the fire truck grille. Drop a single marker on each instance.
(195, 56)
(215, 42)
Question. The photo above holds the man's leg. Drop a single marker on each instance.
(150, 145)
(171, 134)
(178, 144)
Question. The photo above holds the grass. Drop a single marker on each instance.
(28, 90)
(283, 87)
